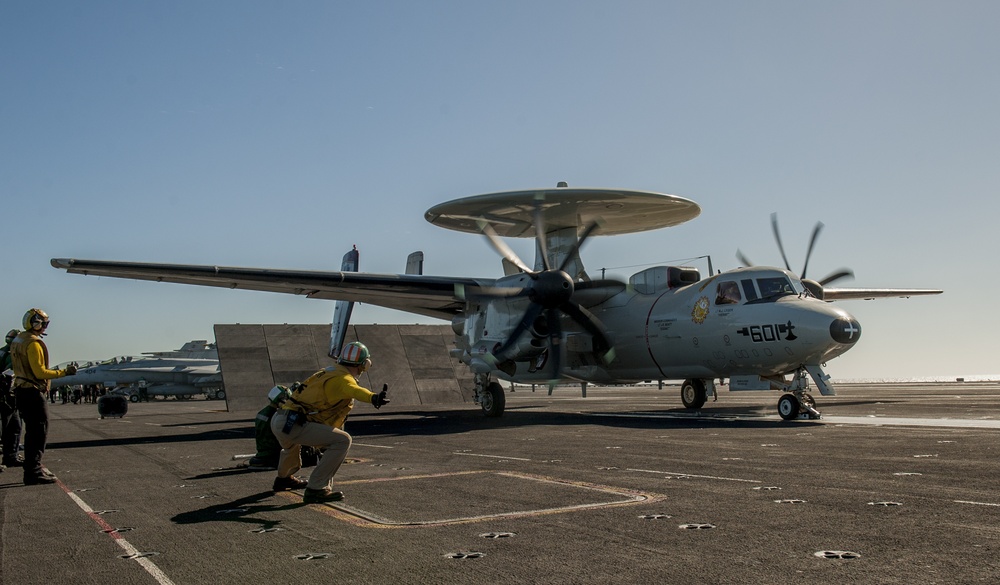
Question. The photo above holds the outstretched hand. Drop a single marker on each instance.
(379, 399)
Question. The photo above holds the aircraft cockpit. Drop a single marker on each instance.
(759, 289)
(118, 360)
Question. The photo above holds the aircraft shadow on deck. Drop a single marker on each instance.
(244, 431)
(463, 421)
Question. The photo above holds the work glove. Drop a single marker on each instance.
(379, 399)
(70, 370)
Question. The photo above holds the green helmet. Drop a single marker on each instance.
(354, 353)
(11, 335)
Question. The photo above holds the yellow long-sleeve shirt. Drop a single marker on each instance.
(30, 361)
(328, 396)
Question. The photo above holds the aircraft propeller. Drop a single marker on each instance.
(814, 286)
(550, 292)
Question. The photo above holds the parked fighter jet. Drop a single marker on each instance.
(761, 327)
(193, 369)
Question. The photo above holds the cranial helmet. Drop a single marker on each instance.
(355, 354)
(35, 320)
(12, 334)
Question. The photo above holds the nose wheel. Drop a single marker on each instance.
(794, 405)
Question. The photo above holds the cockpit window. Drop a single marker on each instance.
(727, 293)
(775, 286)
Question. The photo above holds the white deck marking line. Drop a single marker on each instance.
(376, 446)
(673, 473)
(685, 416)
(627, 497)
(976, 503)
(490, 456)
(146, 564)
(913, 422)
(849, 420)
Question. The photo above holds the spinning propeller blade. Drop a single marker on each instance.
(812, 242)
(500, 246)
(837, 275)
(816, 287)
(550, 292)
(777, 238)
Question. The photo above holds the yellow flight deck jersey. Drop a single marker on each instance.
(30, 360)
(328, 396)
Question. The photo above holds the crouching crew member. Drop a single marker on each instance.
(314, 415)
(30, 359)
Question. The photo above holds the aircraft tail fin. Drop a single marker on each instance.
(415, 263)
(509, 268)
(342, 309)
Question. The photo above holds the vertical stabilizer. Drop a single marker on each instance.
(415, 263)
(342, 309)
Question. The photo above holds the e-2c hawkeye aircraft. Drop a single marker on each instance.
(761, 327)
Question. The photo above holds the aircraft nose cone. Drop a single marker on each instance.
(845, 330)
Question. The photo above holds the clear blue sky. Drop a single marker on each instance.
(279, 134)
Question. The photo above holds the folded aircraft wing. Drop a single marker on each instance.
(842, 294)
(431, 296)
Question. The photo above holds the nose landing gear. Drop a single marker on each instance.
(798, 403)
(795, 405)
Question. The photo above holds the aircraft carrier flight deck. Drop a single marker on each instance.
(896, 484)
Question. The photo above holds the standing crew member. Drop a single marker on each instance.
(10, 422)
(314, 415)
(30, 359)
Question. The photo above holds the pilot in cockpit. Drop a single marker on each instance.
(728, 294)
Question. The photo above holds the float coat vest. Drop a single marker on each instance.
(27, 374)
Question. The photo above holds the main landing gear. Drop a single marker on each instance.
(693, 393)
(489, 395)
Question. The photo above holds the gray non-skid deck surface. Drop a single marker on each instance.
(621, 487)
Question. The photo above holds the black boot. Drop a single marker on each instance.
(39, 479)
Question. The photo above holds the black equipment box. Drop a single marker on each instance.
(113, 406)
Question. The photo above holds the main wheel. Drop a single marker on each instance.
(788, 407)
(133, 398)
(693, 393)
(493, 400)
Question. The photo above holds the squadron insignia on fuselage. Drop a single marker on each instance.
(700, 311)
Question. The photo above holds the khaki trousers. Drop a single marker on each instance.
(335, 442)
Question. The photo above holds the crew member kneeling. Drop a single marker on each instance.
(314, 415)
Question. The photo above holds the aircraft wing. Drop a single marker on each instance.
(431, 296)
(843, 294)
